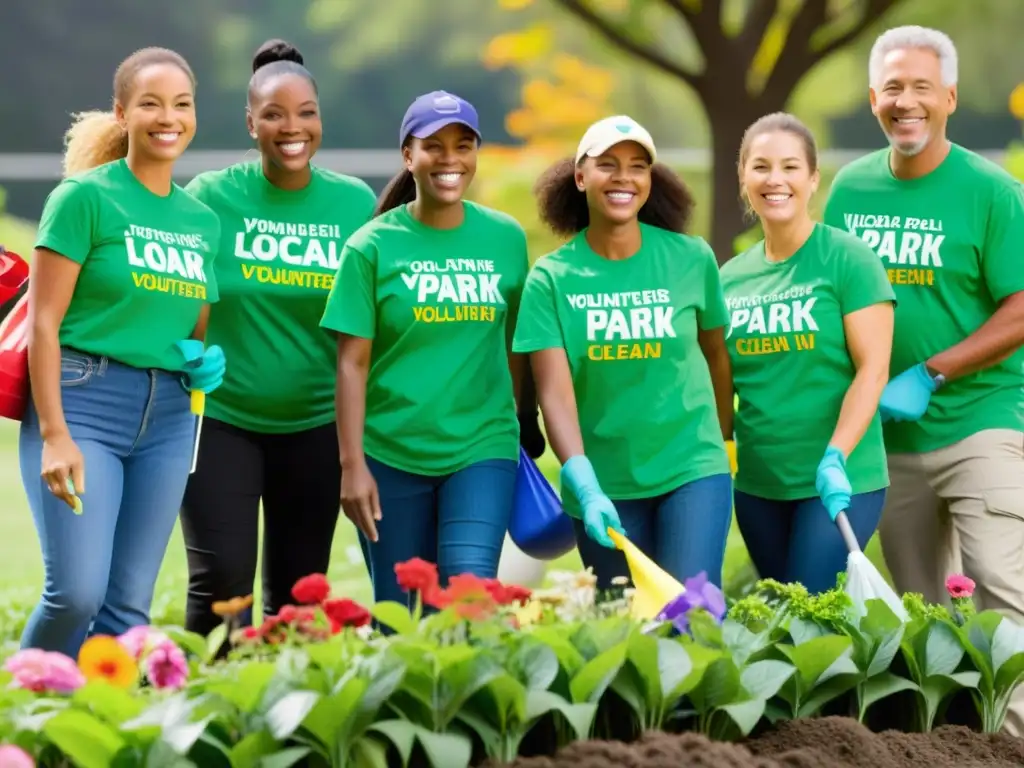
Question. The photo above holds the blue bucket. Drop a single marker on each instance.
(538, 526)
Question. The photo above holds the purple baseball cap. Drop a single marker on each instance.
(431, 112)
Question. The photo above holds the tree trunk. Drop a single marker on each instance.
(726, 207)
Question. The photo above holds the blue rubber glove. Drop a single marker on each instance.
(204, 366)
(906, 397)
(832, 484)
(599, 513)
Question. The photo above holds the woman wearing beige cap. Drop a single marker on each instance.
(625, 328)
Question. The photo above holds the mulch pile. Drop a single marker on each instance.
(827, 742)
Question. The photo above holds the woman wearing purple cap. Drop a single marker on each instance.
(424, 304)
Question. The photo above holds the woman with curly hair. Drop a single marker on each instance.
(625, 328)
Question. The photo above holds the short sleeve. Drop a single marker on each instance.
(352, 303)
(198, 187)
(862, 278)
(1002, 257)
(213, 250)
(537, 326)
(712, 313)
(68, 222)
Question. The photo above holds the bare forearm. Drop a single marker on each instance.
(44, 373)
(998, 338)
(721, 380)
(859, 407)
(199, 332)
(350, 405)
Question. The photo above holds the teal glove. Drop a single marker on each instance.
(204, 366)
(599, 513)
(832, 484)
(906, 397)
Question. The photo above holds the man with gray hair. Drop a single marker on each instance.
(949, 228)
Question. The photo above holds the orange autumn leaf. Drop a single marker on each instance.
(104, 658)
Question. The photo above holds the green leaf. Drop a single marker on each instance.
(569, 658)
(288, 712)
(327, 719)
(401, 734)
(109, 703)
(842, 675)
(881, 686)
(763, 679)
(395, 615)
(803, 631)
(943, 650)
(445, 750)
(534, 664)
(191, 642)
(746, 714)
(251, 748)
(719, 686)
(173, 717)
(814, 656)
(245, 687)
(286, 758)
(369, 753)
(87, 741)
(579, 716)
(590, 683)
(215, 640)
(740, 641)
(879, 620)
(461, 679)
(885, 651)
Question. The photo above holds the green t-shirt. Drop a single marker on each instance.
(953, 245)
(439, 305)
(790, 363)
(147, 264)
(644, 396)
(279, 253)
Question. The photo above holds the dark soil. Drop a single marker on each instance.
(827, 742)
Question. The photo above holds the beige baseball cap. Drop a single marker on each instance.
(606, 133)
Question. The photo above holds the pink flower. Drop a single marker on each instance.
(15, 757)
(41, 671)
(166, 666)
(139, 641)
(959, 586)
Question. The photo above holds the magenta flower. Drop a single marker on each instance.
(15, 757)
(166, 666)
(139, 641)
(39, 671)
(959, 586)
(700, 593)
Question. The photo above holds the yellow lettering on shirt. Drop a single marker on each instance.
(291, 277)
(764, 345)
(472, 313)
(911, 276)
(150, 282)
(644, 351)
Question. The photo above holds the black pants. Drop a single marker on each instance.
(298, 477)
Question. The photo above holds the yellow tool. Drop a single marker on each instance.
(654, 588)
(198, 402)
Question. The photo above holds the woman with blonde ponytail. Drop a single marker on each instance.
(121, 281)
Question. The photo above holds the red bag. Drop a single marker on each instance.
(14, 386)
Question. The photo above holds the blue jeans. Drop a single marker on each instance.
(797, 542)
(683, 531)
(135, 431)
(457, 521)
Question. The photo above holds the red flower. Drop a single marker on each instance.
(312, 589)
(346, 613)
(288, 614)
(506, 594)
(250, 633)
(959, 586)
(416, 575)
(470, 596)
(436, 597)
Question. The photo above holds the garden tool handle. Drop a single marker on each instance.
(198, 402)
(848, 536)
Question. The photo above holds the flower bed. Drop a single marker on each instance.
(486, 673)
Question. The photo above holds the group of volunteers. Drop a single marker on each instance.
(398, 349)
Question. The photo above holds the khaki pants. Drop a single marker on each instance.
(960, 509)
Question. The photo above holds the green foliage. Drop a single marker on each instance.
(449, 691)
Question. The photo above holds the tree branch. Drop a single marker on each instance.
(755, 25)
(705, 23)
(797, 57)
(624, 42)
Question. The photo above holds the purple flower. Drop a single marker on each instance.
(700, 593)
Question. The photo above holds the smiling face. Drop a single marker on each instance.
(443, 164)
(777, 177)
(617, 182)
(159, 114)
(910, 101)
(284, 118)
